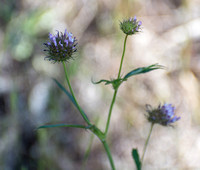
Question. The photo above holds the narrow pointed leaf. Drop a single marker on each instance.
(142, 70)
(66, 92)
(69, 95)
(115, 82)
(62, 125)
(100, 81)
(136, 158)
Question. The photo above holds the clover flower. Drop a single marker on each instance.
(130, 26)
(163, 115)
(60, 47)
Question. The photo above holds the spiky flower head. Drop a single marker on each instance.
(163, 115)
(130, 26)
(60, 47)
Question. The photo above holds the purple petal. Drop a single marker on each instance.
(71, 39)
(60, 44)
(54, 40)
(135, 19)
(50, 36)
(65, 33)
(139, 23)
(66, 41)
(175, 118)
(69, 34)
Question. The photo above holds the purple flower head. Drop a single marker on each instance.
(60, 47)
(130, 26)
(163, 115)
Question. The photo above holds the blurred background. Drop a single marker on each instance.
(29, 97)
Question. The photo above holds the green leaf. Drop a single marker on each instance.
(136, 158)
(115, 82)
(142, 70)
(66, 92)
(69, 95)
(63, 125)
(100, 81)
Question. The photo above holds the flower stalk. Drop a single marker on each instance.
(163, 115)
(146, 143)
(115, 92)
(107, 149)
(72, 93)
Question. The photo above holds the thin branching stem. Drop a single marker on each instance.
(115, 92)
(106, 147)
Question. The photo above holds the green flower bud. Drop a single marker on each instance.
(130, 26)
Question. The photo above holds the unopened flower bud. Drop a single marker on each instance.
(131, 26)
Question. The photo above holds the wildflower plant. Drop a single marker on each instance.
(163, 115)
(61, 47)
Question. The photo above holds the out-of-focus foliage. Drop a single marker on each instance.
(29, 98)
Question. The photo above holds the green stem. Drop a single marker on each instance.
(110, 112)
(120, 68)
(115, 92)
(108, 154)
(88, 150)
(72, 93)
(88, 122)
(146, 143)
